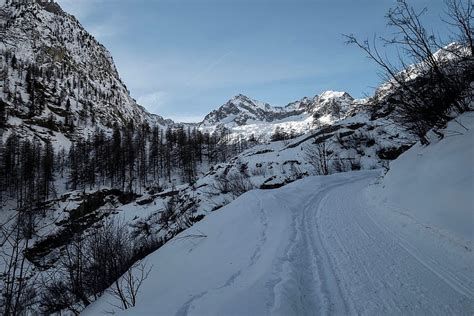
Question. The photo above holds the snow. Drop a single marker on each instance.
(332, 94)
(242, 99)
(244, 117)
(342, 244)
(432, 183)
(321, 245)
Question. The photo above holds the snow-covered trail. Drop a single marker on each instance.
(345, 259)
(315, 247)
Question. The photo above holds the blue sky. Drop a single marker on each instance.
(184, 58)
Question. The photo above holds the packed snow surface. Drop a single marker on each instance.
(316, 246)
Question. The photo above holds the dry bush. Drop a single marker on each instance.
(89, 265)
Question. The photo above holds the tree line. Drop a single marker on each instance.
(129, 158)
(27, 170)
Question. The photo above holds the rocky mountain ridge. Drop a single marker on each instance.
(242, 110)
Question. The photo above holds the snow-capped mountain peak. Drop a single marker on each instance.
(327, 95)
(243, 115)
(246, 103)
(335, 104)
(238, 111)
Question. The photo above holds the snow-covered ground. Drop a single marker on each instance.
(349, 243)
(434, 184)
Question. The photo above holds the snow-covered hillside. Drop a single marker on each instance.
(355, 143)
(340, 244)
(431, 184)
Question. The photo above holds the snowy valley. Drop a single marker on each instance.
(329, 205)
(340, 244)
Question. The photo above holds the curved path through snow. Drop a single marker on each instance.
(314, 247)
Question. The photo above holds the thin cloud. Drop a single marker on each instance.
(153, 101)
(213, 65)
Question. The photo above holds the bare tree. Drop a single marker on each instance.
(230, 181)
(239, 183)
(222, 183)
(65, 287)
(126, 288)
(16, 282)
(459, 14)
(439, 87)
(319, 155)
(89, 265)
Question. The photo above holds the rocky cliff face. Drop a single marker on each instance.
(56, 79)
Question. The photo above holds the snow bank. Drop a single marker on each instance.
(203, 262)
(435, 184)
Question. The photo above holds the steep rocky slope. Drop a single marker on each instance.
(56, 79)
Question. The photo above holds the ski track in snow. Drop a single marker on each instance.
(344, 261)
(306, 263)
(385, 274)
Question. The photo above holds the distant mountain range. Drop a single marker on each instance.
(242, 110)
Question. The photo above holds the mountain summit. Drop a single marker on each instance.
(242, 110)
